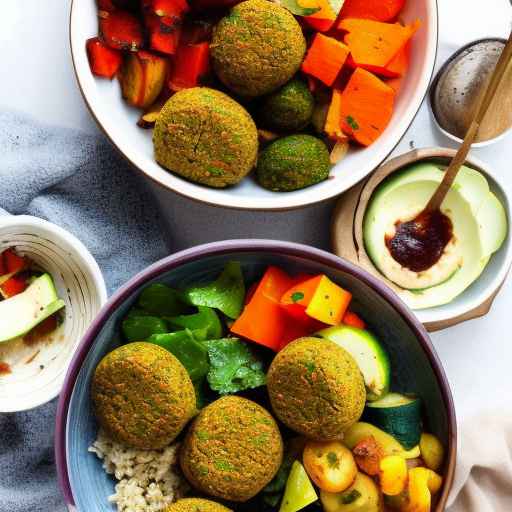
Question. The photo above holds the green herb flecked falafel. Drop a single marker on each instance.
(316, 388)
(293, 162)
(289, 108)
(206, 136)
(142, 395)
(232, 449)
(257, 47)
(196, 505)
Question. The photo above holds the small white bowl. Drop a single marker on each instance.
(347, 240)
(118, 120)
(38, 371)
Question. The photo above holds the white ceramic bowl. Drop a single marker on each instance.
(38, 372)
(118, 120)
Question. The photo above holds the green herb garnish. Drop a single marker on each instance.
(333, 460)
(350, 497)
(352, 123)
(296, 296)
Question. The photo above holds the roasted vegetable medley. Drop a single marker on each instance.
(280, 395)
(305, 77)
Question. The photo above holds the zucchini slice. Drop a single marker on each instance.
(368, 353)
(398, 415)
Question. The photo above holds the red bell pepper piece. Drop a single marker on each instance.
(164, 33)
(13, 286)
(354, 320)
(296, 299)
(121, 30)
(263, 320)
(3, 267)
(170, 8)
(104, 61)
(190, 64)
(106, 5)
(13, 262)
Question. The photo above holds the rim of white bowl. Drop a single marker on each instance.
(83, 259)
(285, 201)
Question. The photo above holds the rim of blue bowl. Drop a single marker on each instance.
(250, 245)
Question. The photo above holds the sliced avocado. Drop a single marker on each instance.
(368, 353)
(21, 313)
(398, 415)
(479, 227)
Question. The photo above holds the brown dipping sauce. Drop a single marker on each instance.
(418, 244)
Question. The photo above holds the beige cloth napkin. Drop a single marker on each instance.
(483, 478)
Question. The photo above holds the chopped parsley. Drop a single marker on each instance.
(352, 123)
(296, 296)
(333, 460)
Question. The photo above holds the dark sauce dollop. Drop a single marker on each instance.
(419, 243)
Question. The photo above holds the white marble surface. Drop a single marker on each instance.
(37, 77)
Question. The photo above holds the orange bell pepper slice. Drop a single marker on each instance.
(262, 320)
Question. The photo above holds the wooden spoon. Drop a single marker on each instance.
(419, 243)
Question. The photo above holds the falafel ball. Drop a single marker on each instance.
(292, 163)
(196, 505)
(289, 108)
(205, 136)
(316, 388)
(257, 47)
(142, 395)
(232, 449)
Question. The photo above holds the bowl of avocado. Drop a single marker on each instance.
(461, 281)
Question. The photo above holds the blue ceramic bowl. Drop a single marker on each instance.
(415, 365)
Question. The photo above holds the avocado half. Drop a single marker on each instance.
(479, 228)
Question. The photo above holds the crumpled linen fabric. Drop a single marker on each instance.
(79, 182)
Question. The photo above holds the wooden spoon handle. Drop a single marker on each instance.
(460, 157)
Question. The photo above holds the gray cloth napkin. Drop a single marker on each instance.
(79, 182)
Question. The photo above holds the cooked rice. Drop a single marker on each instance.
(148, 480)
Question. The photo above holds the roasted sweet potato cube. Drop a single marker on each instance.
(121, 30)
(368, 454)
(104, 61)
(142, 78)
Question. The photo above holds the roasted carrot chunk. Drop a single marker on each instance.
(120, 30)
(396, 67)
(366, 107)
(104, 61)
(326, 15)
(190, 64)
(332, 123)
(379, 10)
(325, 58)
(373, 43)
